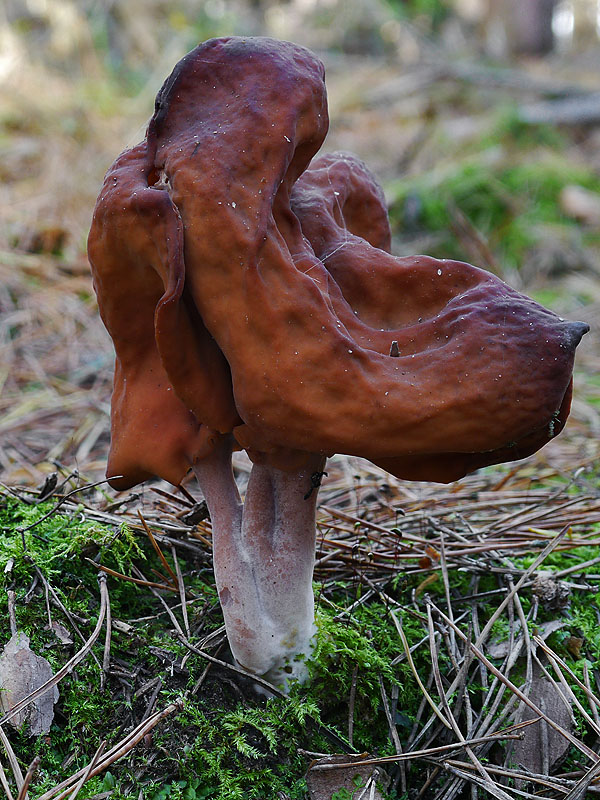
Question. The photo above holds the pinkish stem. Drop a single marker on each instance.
(264, 554)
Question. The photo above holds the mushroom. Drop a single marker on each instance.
(254, 304)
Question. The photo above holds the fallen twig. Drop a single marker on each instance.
(116, 752)
(581, 746)
(31, 770)
(434, 751)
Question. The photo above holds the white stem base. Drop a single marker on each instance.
(264, 553)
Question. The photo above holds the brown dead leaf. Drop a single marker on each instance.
(500, 648)
(574, 645)
(61, 633)
(359, 780)
(21, 672)
(542, 747)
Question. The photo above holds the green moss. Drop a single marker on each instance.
(509, 192)
(227, 743)
(218, 747)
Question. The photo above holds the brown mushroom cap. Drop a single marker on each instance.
(134, 248)
(338, 193)
(328, 200)
(276, 319)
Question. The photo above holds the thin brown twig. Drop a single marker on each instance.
(49, 589)
(351, 702)
(508, 733)
(415, 735)
(189, 497)
(31, 770)
(388, 715)
(463, 773)
(411, 664)
(12, 760)
(557, 784)
(230, 667)
(446, 581)
(152, 701)
(430, 780)
(579, 791)
(181, 587)
(53, 511)
(139, 581)
(551, 545)
(157, 549)
(529, 571)
(581, 746)
(116, 752)
(107, 641)
(555, 661)
(172, 497)
(588, 690)
(555, 657)
(165, 605)
(95, 758)
(495, 791)
(526, 639)
(4, 783)
(204, 674)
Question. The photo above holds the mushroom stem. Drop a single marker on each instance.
(263, 557)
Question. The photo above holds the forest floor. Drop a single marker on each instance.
(449, 616)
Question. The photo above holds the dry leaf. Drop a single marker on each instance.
(542, 747)
(425, 583)
(61, 633)
(500, 648)
(21, 672)
(574, 645)
(360, 781)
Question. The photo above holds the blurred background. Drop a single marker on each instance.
(481, 118)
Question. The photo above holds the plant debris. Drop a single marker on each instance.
(357, 780)
(21, 673)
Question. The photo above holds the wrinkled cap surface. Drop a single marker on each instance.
(250, 291)
(135, 247)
